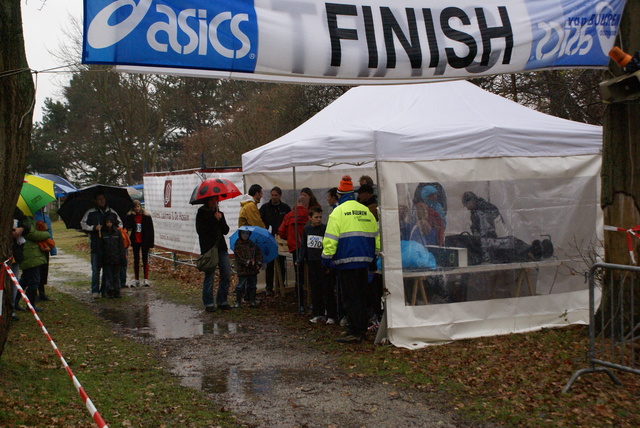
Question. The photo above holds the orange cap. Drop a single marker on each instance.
(619, 56)
(346, 185)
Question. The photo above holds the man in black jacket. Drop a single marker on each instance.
(272, 214)
(211, 227)
(91, 223)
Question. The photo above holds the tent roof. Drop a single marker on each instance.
(448, 120)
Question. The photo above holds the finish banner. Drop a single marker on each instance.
(352, 41)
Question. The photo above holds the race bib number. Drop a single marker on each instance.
(314, 241)
(139, 227)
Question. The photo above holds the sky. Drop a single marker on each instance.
(43, 23)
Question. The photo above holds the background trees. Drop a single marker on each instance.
(112, 127)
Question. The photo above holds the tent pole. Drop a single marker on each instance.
(295, 227)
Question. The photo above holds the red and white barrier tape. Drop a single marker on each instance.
(85, 398)
(634, 231)
(1, 293)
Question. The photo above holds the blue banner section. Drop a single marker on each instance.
(572, 33)
(219, 35)
(349, 41)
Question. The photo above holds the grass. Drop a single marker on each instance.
(124, 379)
(512, 380)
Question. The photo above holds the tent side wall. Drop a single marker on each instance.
(557, 196)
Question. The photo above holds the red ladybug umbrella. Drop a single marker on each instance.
(220, 187)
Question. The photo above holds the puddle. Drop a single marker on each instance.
(245, 384)
(163, 320)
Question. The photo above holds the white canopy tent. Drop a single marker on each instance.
(541, 171)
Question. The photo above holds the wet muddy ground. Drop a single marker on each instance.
(263, 373)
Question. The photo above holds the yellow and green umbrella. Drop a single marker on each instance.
(36, 192)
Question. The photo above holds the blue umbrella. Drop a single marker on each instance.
(60, 185)
(263, 240)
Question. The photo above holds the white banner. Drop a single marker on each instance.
(353, 41)
(174, 219)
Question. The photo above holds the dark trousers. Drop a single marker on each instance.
(137, 249)
(299, 270)
(29, 282)
(111, 280)
(44, 276)
(353, 285)
(375, 295)
(269, 279)
(323, 298)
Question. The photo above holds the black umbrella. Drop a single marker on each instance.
(77, 203)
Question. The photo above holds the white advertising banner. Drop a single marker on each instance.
(167, 198)
(348, 42)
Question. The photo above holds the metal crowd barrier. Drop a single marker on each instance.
(613, 344)
(173, 258)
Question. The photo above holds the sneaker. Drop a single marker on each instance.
(210, 308)
(268, 293)
(330, 321)
(236, 305)
(43, 298)
(224, 307)
(317, 320)
(254, 304)
(350, 338)
(125, 285)
(146, 283)
(14, 318)
(344, 322)
(95, 295)
(301, 310)
(37, 309)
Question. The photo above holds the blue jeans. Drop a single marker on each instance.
(224, 265)
(248, 284)
(95, 273)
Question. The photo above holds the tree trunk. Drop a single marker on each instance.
(16, 103)
(621, 163)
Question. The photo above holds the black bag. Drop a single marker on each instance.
(208, 261)
(468, 241)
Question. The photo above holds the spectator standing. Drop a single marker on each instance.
(350, 243)
(33, 258)
(248, 259)
(249, 213)
(211, 227)
(332, 197)
(322, 297)
(365, 179)
(429, 195)
(42, 216)
(306, 192)
(112, 255)
(140, 226)
(18, 232)
(368, 199)
(291, 229)
(91, 223)
(272, 214)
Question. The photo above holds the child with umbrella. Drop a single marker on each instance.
(248, 258)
